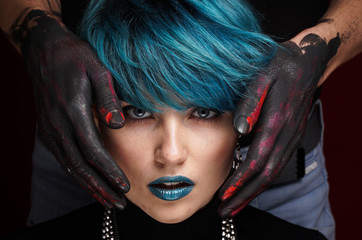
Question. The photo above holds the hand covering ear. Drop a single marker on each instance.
(68, 79)
(278, 114)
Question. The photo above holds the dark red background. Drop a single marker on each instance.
(343, 142)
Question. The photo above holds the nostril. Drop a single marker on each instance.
(170, 155)
(172, 148)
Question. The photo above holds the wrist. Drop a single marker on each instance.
(15, 21)
(327, 31)
(36, 30)
(342, 19)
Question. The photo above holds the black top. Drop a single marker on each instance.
(133, 223)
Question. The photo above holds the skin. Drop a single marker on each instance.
(172, 143)
(63, 114)
(68, 79)
(283, 95)
(277, 137)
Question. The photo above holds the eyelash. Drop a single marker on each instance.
(132, 119)
(204, 120)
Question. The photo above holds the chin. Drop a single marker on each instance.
(171, 214)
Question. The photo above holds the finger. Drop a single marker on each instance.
(73, 163)
(284, 148)
(89, 141)
(108, 105)
(267, 131)
(97, 188)
(256, 185)
(248, 110)
(93, 181)
(252, 189)
(271, 171)
(78, 124)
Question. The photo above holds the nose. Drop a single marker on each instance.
(171, 149)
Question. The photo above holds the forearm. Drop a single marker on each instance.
(344, 19)
(13, 13)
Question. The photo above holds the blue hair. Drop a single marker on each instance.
(180, 54)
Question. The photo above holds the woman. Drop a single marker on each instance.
(179, 68)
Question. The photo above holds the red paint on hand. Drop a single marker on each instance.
(236, 211)
(236, 186)
(255, 114)
(108, 117)
(229, 192)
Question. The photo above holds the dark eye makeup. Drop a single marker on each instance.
(133, 113)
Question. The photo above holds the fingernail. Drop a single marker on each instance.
(224, 213)
(124, 187)
(236, 211)
(119, 205)
(229, 212)
(115, 119)
(242, 125)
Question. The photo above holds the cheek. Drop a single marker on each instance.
(128, 149)
(221, 154)
(215, 155)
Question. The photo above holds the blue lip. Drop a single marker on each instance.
(171, 194)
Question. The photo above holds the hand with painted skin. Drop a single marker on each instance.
(67, 79)
(283, 97)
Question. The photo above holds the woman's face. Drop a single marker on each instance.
(175, 161)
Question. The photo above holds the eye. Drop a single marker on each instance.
(205, 113)
(136, 113)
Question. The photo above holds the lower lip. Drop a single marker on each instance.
(171, 194)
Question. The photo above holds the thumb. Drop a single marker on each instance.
(108, 105)
(248, 109)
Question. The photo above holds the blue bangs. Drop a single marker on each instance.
(178, 54)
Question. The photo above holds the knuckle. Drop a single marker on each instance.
(93, 157)
(106, 101)
(101, 73)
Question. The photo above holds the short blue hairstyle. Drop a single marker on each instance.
(178, 53)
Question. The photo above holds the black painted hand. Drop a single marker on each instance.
(67, 79)
(284, 93)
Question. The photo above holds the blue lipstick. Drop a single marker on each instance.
(171, 188)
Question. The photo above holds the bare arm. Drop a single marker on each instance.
(343, 18)
(13, 13)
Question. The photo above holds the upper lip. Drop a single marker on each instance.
(170, 181)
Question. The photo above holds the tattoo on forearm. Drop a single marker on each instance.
(347, 34)
(22, 25)
(19, 30)
(56, 13)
